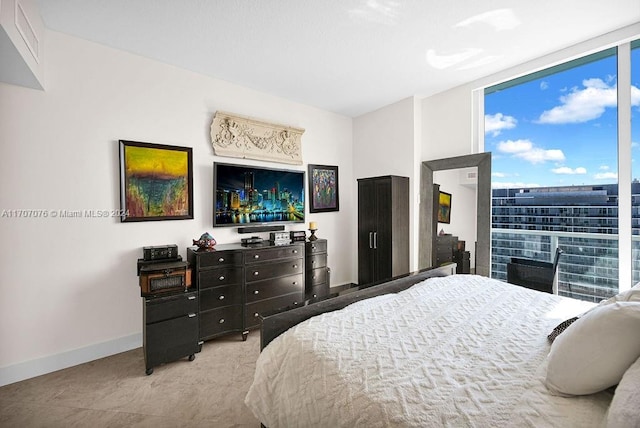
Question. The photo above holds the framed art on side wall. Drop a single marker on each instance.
(444, 208)
(323, 188)
(156, 182)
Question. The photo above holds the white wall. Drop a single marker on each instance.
(68, 286)
(384, 143)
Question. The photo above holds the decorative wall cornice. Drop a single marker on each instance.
(243, 137)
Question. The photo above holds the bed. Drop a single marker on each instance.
(428, 350)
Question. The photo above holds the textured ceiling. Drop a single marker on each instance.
(346, 56)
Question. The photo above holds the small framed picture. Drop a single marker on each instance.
(444, 208)
(323, 189)
(156, 182)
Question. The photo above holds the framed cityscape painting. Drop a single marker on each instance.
(156, 182)
(323, 188)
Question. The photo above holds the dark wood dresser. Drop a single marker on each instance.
(237, 284)
(317, 271)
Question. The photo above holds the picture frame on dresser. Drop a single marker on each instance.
(323, 189)
(156, 182)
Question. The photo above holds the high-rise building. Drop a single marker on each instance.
(581, 220)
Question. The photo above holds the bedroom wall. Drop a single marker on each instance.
(386, 142)
(68, 286)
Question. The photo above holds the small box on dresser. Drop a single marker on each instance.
(317, 272)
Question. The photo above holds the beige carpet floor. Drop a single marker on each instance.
(115, 392)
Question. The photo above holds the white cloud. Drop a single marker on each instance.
(525, 149)
(544, 85)
(497, 122)
(587, 103)
(565, 170)
(606, 176)
(604, 167)
(582, 105)
(517, 146)
(498, 174)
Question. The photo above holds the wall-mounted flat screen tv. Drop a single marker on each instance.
(251, 195)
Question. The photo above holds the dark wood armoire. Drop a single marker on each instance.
(383, 228)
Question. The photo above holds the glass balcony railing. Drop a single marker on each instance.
(588, 268)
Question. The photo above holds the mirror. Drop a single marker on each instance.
(429, 206)
(462, 185)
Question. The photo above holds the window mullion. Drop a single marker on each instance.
(625, 271)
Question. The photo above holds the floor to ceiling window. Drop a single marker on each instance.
(554, 140)
(635, 157)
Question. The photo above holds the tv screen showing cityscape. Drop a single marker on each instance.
(245, 195)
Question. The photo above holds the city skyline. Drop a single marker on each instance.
(560, 129)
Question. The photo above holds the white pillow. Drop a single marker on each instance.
(594, 352)
(624, 411)
(631, 295)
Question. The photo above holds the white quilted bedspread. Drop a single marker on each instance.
(449, 352)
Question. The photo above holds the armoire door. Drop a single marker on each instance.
(367, 207)
(383, 231)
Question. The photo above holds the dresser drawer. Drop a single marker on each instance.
(219, 276)
(168, 307)
(222, 320)
(319, 246)
(169, 340)
(319, 292)
(258, 272)
(265, 254)
(260, 290)
(316, 276)
(316, 261)
(219, 258)
(217, 297)
(255, 310)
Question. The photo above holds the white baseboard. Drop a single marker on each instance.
(52, 363)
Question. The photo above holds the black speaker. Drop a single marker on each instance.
(253, 229)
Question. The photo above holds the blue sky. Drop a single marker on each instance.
(561, 129)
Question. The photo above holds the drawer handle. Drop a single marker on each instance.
(295, 251)
(221, 321)
(221, 259)
(256, 256)
(313, 277)
(295, 266)
(256, 292)
(221, 278)
(191, 315)
(256, 315)
(295, 303)
(313, 262)
(313, 247)
(221, 297)
(315, 295)
(191, 298)
(256, 273)
(295, 282)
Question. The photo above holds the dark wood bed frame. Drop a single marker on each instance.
(274, 325)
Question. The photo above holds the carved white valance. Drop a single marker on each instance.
(243, 137)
